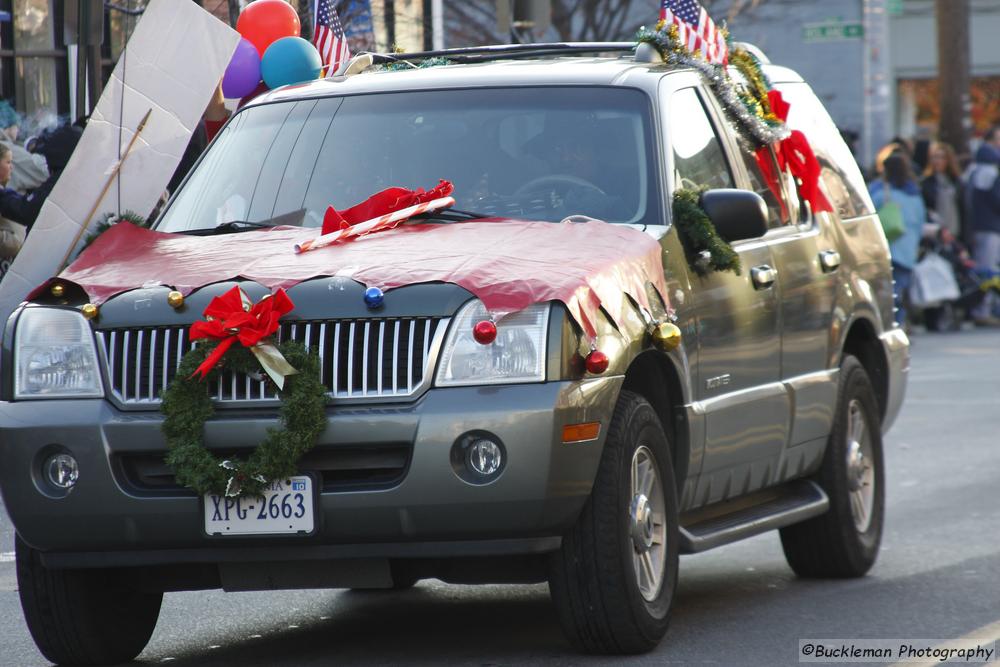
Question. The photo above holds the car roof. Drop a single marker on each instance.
(621, 70)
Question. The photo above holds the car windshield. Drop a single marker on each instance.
(535, 153)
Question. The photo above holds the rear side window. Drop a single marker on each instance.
(842, 179)
(699, 161)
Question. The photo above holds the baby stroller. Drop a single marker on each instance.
(946, 283)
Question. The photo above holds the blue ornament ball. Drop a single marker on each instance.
(290, 60)
(374, 298)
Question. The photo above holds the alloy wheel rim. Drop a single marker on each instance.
(860, 467)
(647, 529)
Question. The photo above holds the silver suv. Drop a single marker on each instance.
(767, 413)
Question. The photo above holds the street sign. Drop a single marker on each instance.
(832, 31)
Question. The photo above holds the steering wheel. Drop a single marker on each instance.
(565, 180)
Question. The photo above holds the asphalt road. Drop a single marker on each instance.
(936, 578)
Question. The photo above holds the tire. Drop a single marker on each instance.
(844, 542)
(594, 578)
(83, 617)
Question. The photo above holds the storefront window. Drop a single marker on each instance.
(33, 25)
(36, 85)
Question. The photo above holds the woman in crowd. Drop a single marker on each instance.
(942, 189)
(899, 185)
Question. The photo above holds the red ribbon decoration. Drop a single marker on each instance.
(387, 201)
(232, 317)
(795, 154)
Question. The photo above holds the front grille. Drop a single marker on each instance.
(359, 359)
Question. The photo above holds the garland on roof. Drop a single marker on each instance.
(746, 104)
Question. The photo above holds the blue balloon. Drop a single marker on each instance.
(290, 60)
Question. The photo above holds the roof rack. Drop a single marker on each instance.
(507, 52)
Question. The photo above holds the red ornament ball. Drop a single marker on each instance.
(597, 362)
(484, 332)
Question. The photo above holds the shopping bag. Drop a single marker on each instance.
(891, 217)
(933, 282)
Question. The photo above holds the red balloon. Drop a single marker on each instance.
(265, 21)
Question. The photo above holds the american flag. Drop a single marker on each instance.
(696, 29)
(328, 36)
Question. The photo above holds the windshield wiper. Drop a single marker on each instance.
(451, 215)
(294, 219)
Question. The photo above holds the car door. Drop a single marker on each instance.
(807, 258)
(738, 393)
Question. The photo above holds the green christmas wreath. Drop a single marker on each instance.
(697, 234)
(187, 405)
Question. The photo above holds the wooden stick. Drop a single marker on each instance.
(107, 186)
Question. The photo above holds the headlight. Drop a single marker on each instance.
(517, 354)
(55, 356)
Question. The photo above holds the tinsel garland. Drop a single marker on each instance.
(187, 405)
(697, 234)
(746, 108)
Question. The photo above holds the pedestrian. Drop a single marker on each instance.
(899, 185)
(943, 189)
(30, 169)
(57, 146)
(983, 183)
(12, 234)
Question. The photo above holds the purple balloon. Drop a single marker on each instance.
(243, 73)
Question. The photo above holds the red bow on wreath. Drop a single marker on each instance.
(233, 317)
(795, 154)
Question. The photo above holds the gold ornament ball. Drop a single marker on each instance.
(175, 299)
(89, 311)
(58, 290)
(666, 336)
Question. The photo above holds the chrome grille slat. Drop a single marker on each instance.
(125, 358)
(355, 366)
(364, 361)
(350, 361)
(336, 361)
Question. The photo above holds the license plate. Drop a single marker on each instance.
(285, 507)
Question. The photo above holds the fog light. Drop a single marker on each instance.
(484, 457)
(478, 457)
(62, 471)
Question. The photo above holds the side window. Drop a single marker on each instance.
(841, 178)
(760, 168)
(699, 161)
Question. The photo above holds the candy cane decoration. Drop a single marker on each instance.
(387, 221)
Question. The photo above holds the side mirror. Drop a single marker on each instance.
(736, 214)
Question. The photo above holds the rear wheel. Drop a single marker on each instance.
(83, 617)
(844, 541)
(614, 578)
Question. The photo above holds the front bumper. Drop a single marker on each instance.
(537, 497)
(896, 346)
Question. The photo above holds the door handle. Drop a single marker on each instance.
(763, 276)
(829, 260)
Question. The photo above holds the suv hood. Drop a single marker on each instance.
(508, 264)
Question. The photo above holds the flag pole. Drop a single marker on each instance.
(107, 186)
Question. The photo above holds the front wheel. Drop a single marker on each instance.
(614, 578)
(83, 617)
(844, 541)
